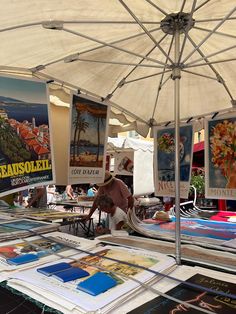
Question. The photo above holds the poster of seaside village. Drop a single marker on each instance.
(25, 154)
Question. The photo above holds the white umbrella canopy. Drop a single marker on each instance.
(155, 60)
(117, 50)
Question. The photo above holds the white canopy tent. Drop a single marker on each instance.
(142, 152)
(117, 50)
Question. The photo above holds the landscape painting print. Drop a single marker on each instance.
(41, 247)
(220, 157)
(89, 127)
(25, 152)
(164, 161)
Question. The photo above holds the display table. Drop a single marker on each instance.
(169, 280)
(72, 218)
(192, 253)
(72, 205)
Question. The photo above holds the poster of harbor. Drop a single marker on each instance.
(164, 161)
(25, 151)
(220, 157)
(88, 139)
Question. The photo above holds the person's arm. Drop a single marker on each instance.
(92, 209)
(119, 225)
(68, 191)
(125, 193)
(130, 201)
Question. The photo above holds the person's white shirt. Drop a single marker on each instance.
(51, 190)
(118, 216)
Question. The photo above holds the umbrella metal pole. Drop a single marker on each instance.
(176, 77)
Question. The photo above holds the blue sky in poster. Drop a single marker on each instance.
(23, 90)
(90, 133)
(24, 99)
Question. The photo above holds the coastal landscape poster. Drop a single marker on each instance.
(88, 139)
(220, 157)
(25, 150)
(164, 161)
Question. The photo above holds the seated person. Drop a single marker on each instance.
(117, 217)
(38, 198)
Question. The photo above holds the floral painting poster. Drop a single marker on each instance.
(220, 157)
(25, 145)
(88, 139)
(164, 160)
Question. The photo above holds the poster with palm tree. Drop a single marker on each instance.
(88, 138)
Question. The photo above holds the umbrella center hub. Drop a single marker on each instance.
(181, 22)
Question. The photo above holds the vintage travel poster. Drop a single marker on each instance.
(220, 157)
(25, 150)
(100, 260)
(88, 139)
(124, 163)
(164, 160)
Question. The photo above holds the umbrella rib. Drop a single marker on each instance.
(161, 84)
(209, 63)
(19, 26)
(209, 35)
(121, 40)
(76, 22)
(214, 20)
(111, 45)
(99, 47)
(182, 6)
(106, 22)
(211, 55)
(5, 68)
(145, 30)
(156, 7)
(201, 5)
(202, 75)
(146, 77)
(119, 85)
(218, 76)
(86, 92)
(185, 37)
(217, 33)
(161, 80)
(123, 80)
(120, 63)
